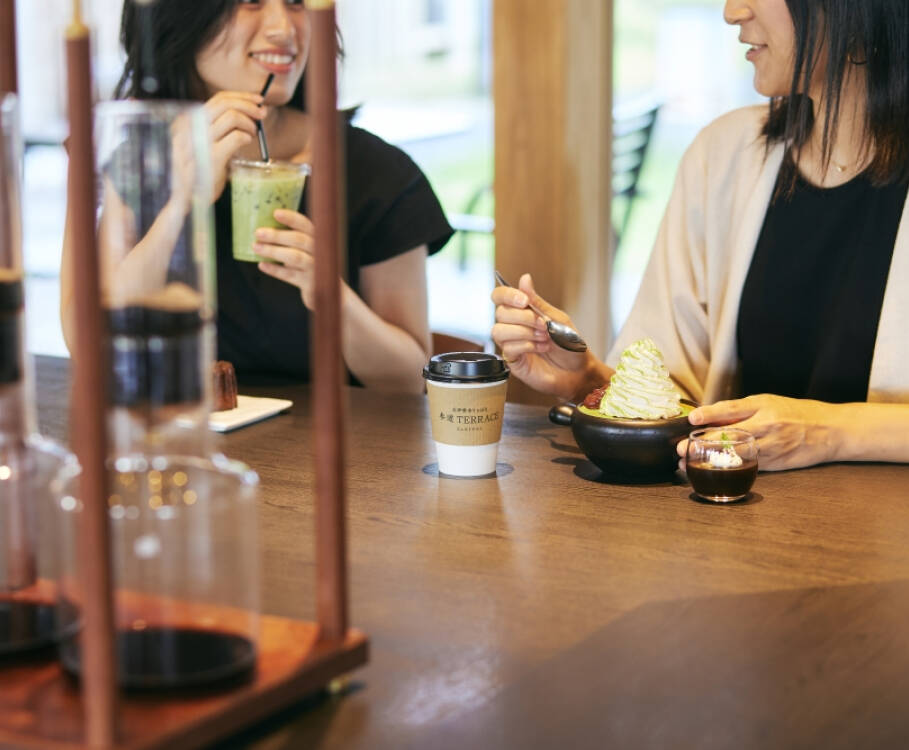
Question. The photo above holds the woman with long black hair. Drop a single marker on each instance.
(778, 288)
(220, 52)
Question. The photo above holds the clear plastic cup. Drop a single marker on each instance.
(257, 188)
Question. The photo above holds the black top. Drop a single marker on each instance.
(263, 326)
(812, 299)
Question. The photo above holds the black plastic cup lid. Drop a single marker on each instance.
(466, 367)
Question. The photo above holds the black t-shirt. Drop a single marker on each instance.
(263, 326)
(812, 299)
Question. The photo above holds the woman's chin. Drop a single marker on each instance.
(768, 88)
(279, 96)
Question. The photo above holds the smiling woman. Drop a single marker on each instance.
(771, 38)
(242, 55)
(220, 52)
(776, 289)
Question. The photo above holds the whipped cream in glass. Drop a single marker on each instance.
(724, 459)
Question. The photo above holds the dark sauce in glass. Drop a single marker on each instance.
(710, 481)
(157, 658)
(11, 305)
(154, 356)
(25, 626)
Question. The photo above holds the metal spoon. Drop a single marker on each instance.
(563, 335)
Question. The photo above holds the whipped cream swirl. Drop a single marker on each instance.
(641, 387)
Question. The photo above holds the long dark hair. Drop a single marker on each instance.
(162, 40)
(870, 37)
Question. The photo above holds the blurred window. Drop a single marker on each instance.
(682, 54)
(435, 11)
(40, 27)
(419, 71)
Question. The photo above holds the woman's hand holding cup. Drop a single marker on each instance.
(233, 116)
(290, 252)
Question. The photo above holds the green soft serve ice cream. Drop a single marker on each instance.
(641, 387)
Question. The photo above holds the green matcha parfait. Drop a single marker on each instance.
(641, 387)
(257, 188)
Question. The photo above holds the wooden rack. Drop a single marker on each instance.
(40, 706)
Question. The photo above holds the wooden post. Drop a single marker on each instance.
(99, 675)
(9, 78)
(328, 214)
(553, 146)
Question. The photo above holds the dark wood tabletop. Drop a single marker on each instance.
(545, 608)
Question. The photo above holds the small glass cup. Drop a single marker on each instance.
(721, 463)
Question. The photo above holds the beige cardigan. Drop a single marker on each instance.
(689, 298)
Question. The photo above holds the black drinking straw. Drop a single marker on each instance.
(148, 78)
(263, 146)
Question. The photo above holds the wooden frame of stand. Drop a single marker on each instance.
(39, 705)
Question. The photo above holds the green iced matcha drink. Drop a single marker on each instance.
(257, 188)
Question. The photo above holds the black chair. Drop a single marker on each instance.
(469, 222)
(631, 132)
(632, 128)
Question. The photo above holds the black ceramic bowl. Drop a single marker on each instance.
(638, 450)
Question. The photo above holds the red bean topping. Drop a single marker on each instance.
(592, 401)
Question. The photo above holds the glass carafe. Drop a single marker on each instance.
(157, 272)
(28, 463)
(16, 416)
(182, 521)
(28, 542)
(184, 557)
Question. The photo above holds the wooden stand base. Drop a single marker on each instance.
(41, 707)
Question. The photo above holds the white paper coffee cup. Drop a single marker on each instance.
(467, 406)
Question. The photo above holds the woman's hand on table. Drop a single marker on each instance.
(790, 433)
(291, 250)
(531, 355)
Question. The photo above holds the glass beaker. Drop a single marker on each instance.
(185, 570)
(157, 273)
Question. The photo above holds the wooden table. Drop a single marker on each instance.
(543, 608)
